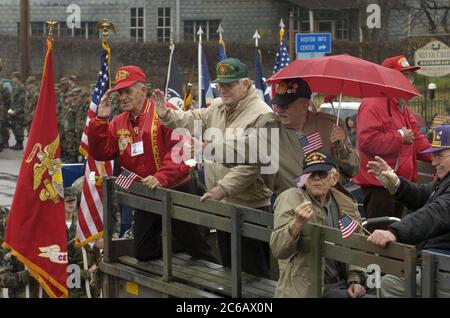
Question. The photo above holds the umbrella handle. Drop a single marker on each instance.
(339, 109)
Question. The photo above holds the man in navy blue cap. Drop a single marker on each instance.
(428, 227)
(316, 200)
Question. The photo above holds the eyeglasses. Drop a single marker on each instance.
(227, 86)
(321, 174)
(439, 157)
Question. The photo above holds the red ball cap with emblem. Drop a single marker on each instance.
(128, 75)
(399, 63)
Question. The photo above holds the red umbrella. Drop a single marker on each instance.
(348, 75)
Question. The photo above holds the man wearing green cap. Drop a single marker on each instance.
(237, 109)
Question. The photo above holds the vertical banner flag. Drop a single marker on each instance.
(90, 214)
(222, 51)
(36, 229)
(260, 85)
(206, 89)
(174, 89)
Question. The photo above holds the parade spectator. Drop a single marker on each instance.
(320, 202)
(387, 128)
(350, 124)
(144, 146)
(237, 109)
(429, 226)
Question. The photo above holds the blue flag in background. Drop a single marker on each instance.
(206, 88)
(260, 85)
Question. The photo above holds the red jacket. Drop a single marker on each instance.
(109, 140)
(378, 122)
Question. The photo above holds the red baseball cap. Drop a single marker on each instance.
(399, 63)
(128, 75)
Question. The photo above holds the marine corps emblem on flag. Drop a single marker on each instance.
(53, 253)
(52, 182)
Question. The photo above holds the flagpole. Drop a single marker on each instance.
(356, 222)
(172, 49)
(199, 33)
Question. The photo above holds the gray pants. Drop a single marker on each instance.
(394, 287)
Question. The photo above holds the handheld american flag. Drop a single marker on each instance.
(347, 225)
(300, 181)
(126, 179)
(310, 143)
(90, 214)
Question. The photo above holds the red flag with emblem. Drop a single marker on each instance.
(36, 229)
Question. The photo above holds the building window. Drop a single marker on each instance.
(86, 31)
(137, 24)
(37, 29)
(163, 24)
(209, 28)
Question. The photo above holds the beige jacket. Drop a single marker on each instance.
(293, 255)
(291, 153)
(242, 184)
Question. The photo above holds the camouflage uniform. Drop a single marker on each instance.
(18, 107)
(32, 96)
(5, 103)
(71, 143)
(75, 254)
(13, 275)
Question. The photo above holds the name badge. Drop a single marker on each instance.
(137, 148)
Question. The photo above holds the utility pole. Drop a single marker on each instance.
(291, 36)
(24, 39)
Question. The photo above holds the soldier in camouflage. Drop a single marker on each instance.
(13, 276)
(86, 259)
(17, 110)
(31, 97)
(72, 142)
(5, 103)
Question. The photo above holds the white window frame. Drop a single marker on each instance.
(137, 27)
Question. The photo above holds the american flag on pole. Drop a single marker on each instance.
(90, 214)
(347, 225)
(282, 58)
(126, 179)
(310, 143)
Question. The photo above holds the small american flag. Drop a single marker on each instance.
(300, 181)
(126, 178)
(347, 226)
(310, 143)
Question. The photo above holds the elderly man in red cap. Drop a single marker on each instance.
(387, 128)
(144, 147)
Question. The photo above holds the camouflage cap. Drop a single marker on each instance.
(64, 80)
(73, 77)
(70, 193)
(30, 79)
(78, 184)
